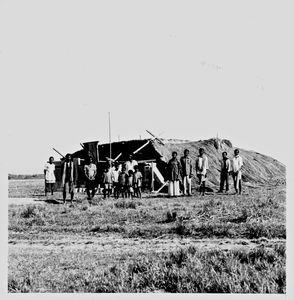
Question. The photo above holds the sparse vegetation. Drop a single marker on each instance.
(186, 270)
(24, 177)
(212, 244)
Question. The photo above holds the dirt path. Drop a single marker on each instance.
(119, 245)
(22, 201)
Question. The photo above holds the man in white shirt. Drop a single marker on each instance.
(201, 170)
(130, 164)
(90, 170)
(49, 173)
(237, 165)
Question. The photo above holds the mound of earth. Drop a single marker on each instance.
(258, 169)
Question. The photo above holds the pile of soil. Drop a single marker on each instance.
(258, 169)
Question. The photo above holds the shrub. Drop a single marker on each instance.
(126, 204)
(28, 212)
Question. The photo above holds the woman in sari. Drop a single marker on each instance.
(173, 174)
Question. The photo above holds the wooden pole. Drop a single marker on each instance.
(97, 152)
(58, 152)
(152, 177)
(109, 128)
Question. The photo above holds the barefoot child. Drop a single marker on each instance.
(107, 179)
(122, 182)
(116, 172)
(137, 182)
(130, 183)
(49, 172)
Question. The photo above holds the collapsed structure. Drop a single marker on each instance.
(153, 156)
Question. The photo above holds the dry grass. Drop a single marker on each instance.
(26, 188)
(261, 270)
(216, 243)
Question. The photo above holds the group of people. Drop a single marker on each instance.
(68, 176)
(126, 180)
(180, 172)
(120, 180)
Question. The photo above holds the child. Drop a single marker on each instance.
(122, 182)
(130, 183)
(49, 172)
(116, 173)
(107, 180)
(137, 182)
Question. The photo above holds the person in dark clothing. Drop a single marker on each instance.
(186, 164)
(68, 177)
(122, 182)
(201, 170)
(90, 170)
(225, 172)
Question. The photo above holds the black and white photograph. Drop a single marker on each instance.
(146, 146)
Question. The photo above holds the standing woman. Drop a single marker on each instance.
(173, 173)
(201, 170)
(49, 172)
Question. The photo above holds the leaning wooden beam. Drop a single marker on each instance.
(58, 152)
(113, 159)
(118, 156)
(161, 187)
(156, 137)
(142, 147)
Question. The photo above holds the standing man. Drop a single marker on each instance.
(201, 170)
(186, 164)
(90, 172)
(225, 171)
(237, 165)
(68, 177)
(49, 173)
(130, 164)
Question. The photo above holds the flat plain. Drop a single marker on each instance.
(201, 244)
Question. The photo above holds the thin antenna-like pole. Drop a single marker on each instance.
(109, 129)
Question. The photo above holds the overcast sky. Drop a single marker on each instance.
(190, 69)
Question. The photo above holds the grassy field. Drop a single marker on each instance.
(212, 244)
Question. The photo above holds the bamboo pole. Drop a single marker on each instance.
(109, 129)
